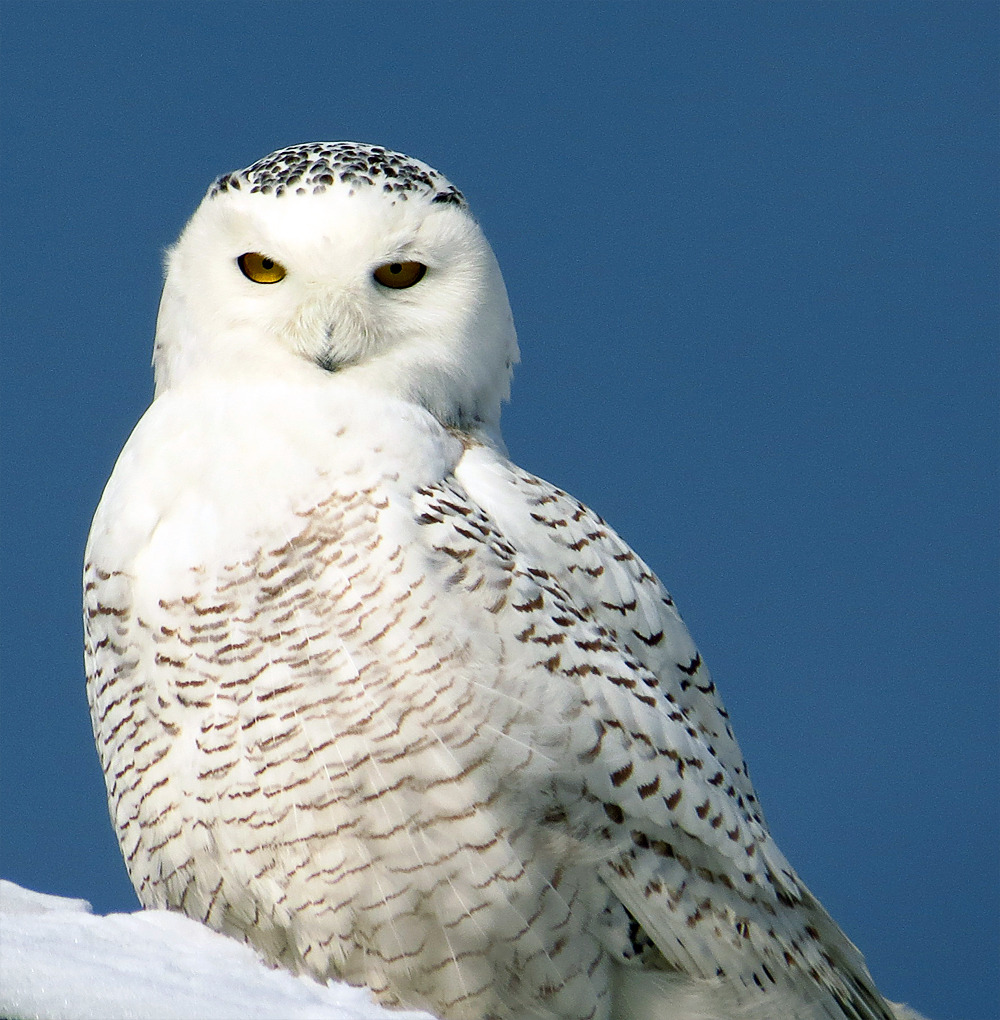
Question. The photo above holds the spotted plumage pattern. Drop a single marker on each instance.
(312, 168)
(383, 705)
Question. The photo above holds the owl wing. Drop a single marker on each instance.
(619, 591)
(660, 777)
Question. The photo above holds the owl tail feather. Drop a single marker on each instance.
(669, 995)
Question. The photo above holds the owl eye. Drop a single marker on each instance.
(260, 268)
(400, 274)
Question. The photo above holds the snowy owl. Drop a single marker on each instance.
(377, 701)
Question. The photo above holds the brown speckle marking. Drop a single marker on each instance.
(615, 813)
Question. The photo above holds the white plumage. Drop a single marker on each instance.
(379, 702)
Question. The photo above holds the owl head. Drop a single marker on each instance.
(345, 262)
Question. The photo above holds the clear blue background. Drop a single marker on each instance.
(752, 254)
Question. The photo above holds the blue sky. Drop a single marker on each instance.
(752, 255)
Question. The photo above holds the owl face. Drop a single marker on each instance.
(387, 287)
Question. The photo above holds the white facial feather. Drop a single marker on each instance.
(447, 343)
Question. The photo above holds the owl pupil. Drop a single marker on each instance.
(267, 263)
(396, 267)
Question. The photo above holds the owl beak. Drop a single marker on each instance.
(328, 363)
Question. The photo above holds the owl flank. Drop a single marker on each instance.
(378, 702)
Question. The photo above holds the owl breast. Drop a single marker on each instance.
(321, 741)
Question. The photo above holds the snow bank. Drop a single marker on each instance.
(59, 961)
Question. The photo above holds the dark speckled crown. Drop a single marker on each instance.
(311, 168)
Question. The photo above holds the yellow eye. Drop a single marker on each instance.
(260, 268)
(400, 274)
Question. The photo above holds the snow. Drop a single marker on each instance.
(59, 961)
